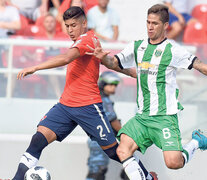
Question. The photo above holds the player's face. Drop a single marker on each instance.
(155, 28)
(75, 27)
(49, 23)
(109, 89)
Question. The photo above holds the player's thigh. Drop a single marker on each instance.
(94, 122)
(165, 133)
(58, 121)
(136, 131)
(127, 146)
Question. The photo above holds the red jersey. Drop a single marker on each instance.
(81, 86)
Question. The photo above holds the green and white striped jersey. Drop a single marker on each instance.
(156, 64)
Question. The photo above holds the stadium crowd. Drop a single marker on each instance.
(29, 17)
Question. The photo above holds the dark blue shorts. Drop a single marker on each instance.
(174, 18)
(63, 119)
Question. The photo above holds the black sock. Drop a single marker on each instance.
(22, 169)
(111, 152)
(31, 156)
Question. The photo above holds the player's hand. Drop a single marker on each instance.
(98, 52)
(25, 72)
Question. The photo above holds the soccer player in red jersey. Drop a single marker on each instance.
(80, 103)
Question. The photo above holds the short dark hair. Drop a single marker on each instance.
(73, 12)
(161, 10)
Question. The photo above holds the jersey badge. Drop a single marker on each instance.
(158, 53)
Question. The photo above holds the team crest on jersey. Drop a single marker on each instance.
(158, 53)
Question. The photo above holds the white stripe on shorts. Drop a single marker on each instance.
(102, 118)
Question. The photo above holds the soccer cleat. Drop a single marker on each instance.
(202, 140)
(154, 175)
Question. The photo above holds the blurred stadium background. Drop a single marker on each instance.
(23, 103)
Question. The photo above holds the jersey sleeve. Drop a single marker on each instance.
(126, 57)
(82, 43)
(181, 58)
(108, 107)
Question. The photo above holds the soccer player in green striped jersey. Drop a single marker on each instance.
(156, 61)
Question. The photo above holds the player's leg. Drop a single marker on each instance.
(177, 159)
(174, 159)
(54, 125)
(167, 136)
(198, 141)
(131, 163)
(95, 123)
(131, 136)
(30, 158)
(125, 151)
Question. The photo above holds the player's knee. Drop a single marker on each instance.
(122, 152)
(174, 164)
(173, 159)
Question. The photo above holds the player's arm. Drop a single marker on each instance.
(113, 63)
(200, 66)
(53, 62)
(109, 61)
